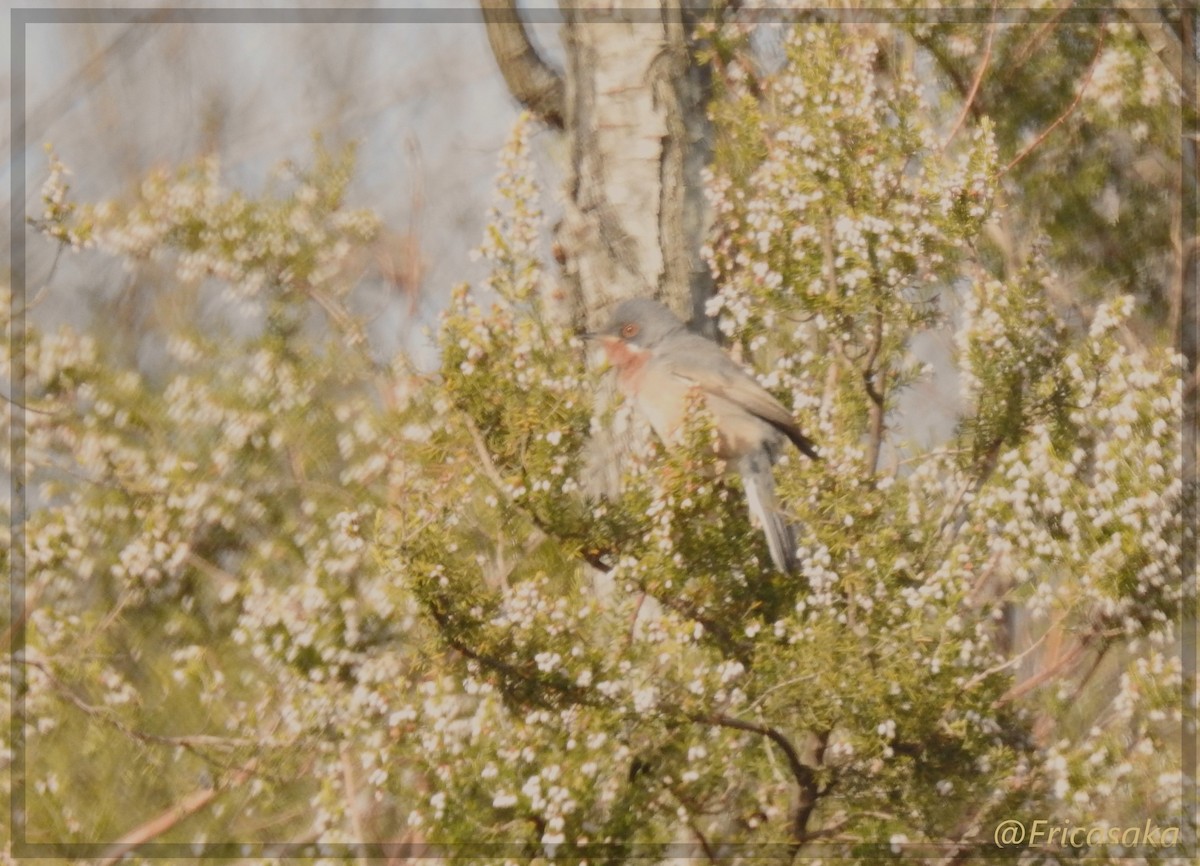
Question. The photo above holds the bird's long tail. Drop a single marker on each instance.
(755, 469)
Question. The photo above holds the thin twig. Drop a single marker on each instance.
(829, 255)
(705, 845)
(184, 808)
(485, 456)
(211, 569)
(637, 610)
(1017, 659)
(783, 685)
(1101, 654)
(806, 778)
(876, 394)
(960, 845)
(975, 82)
(45, 289)
(31, 601)
(24, 407)
(191, 742)
(1087, 78)
(1023, 53)
(1041, 678)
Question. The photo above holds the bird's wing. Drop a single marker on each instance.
(700, 362)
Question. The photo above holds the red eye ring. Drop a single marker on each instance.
(629, 330)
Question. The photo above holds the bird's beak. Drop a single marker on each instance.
(591, 335)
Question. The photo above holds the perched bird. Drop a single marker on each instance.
(658, 361)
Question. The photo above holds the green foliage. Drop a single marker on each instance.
(1108, 164)
(1012, 351)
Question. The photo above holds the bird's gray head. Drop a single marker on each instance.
(641, 322)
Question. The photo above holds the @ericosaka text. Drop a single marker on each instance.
(1042, 833)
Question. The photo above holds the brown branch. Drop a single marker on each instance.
(705, 845)
(350, 788)
(947, 66)
(354, 336)
(45, 289)
(530, 79)
(806, 779)
(18, 624)
(829, 255)
(1087, 79)
(800, 772)
(1022, 54)
(593, 557)
(961, 849)
(191, 742)
(211, 570)
(875, 393)
(1101, 654)
(485, 456)
(975, 82)
(1012, 660)
(186, 807)
(517, 673)
(1039, 679)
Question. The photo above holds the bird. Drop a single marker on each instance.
(658, 360)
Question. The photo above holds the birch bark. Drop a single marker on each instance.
(633, 107)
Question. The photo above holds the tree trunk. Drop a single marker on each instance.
(635, 115)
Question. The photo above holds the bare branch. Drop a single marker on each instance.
(970, 98)
(1083, 85)
(530, 79)
(32, 598)
(1013, 660)
(161, 823)
(485, 456)
(192, 742)
(45, 289)
(946, 65)
(1020, 56)
(1042, 677)
(806, 779)
(875, 382)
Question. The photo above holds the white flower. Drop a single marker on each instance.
(645, 699)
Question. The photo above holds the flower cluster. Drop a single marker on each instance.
(197, 558)
(1128, 84)
(256, 247)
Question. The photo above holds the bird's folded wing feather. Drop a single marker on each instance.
(705, 366)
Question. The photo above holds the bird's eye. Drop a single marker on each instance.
(629, 330)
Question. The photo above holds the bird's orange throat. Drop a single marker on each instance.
(628, 361)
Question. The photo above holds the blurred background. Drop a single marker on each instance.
(424, 102)
(420, 95)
